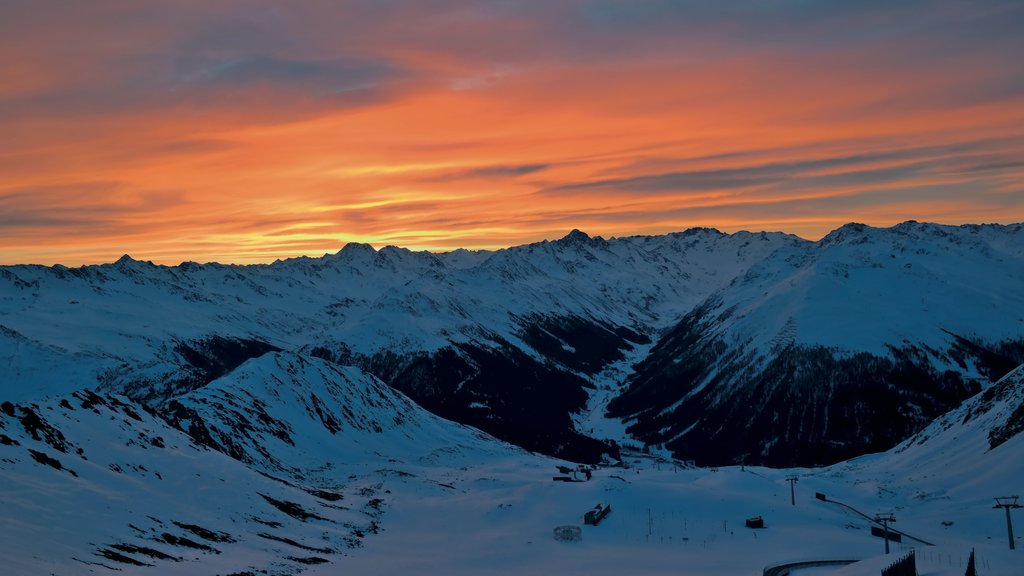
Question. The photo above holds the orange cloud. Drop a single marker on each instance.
(210, 133)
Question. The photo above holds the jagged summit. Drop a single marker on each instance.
(127, 260)
(577, 236)
(699, 230)
(856, 232)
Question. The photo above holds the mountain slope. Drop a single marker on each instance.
(96, 484)
(967, 457)
(484, 338)
(769, 348)
(288, 415)
(825, 351)
(146, 492)
(974, 433)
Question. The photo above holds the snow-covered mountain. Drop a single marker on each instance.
(507, 341)
(767, 347)
(825, 350)
(245, 419)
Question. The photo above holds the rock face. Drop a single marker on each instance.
(763, 347)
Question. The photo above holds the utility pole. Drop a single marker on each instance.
(792, 488)
(1007, 502)
(884, 518)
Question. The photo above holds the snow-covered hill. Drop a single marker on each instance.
(96, 484)
(942, 482)
(825, 350)
(970, 451)
(293, 416)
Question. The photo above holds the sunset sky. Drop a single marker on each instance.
(246, 131)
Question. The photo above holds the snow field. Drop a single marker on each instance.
(499, 518)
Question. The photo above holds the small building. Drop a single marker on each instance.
(596, 514)
(755, 522)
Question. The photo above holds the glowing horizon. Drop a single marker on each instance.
(244, 132)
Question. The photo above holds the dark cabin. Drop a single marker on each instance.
(595, 515)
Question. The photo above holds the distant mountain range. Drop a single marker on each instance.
(720, 348)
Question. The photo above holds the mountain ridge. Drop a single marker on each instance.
(516, 328)
(916, 317)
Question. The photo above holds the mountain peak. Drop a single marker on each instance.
(392, 249)
(357, 248)
(126, 261)
(576, 235)
(578, 238)
(700, 230)
(846, 233)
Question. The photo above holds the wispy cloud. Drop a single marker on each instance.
(823, 174)
(245, 130)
